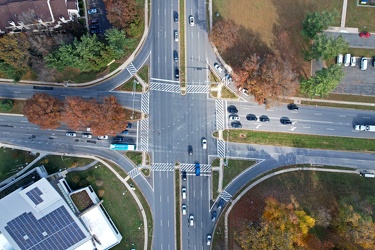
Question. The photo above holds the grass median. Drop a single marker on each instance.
(300, 140)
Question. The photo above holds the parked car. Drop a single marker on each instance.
(236, 124)
(339, 59)
(118, 139)
(245, 91)
(264, 118)
(204, 143)
(102, 137)
(183, 209)
(71, 134)
(94, 21)
(364, 34)
(234, 118)
(209, 238)
(347, 60)
(232, 109)
(353, 61)
(191, 20)
(373, 61)
(292, 106)
(197, 169)
(94, 27)
(86, 135)
(217, 66)
(92, 11)
(214, 216)
(125, 132)
(95, 31)
(251, 117)
(190, 150)
(228, 77)
(129, 125)
(176, 36)
(220, 204)
(363, 63)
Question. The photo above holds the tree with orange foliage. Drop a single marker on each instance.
(43, 110)
(224, 34)
(267, 78)
(282, 225)
(121, 13)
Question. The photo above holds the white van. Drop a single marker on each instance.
(363, 63)
(339, 59)
(347, 60)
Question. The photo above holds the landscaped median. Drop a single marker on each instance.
(299, 140)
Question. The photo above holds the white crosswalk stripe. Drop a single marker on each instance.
(134, 173)
(226, 196)
(220, 148)
(145, 100)
(132, 70)
(191, 167)
(219, 110)
(198, 89)
(162, 167)
(144, 134)
(165, 87)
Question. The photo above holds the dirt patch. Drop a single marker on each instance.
(82, 200)
(242, 135)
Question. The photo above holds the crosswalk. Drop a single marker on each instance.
(219, 110)
(165, 87)
(220, 144)
(145, 99)
(191, 167)
(134, 173)
(132, 70)
(198, 89)
(144, 131)
(226, 196)
(162, 167)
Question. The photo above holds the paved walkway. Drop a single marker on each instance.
(343, 14)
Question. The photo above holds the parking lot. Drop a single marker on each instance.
(357, 81)
(99, 18)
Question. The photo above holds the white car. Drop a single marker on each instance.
(217, 66)
(87, 135)
(363, 63)
(353, 61)
(88, 129)
(245, 91)
(102, 137)
(204, 143)
(209, 238)
(339, 59)
(347, 60)
(71, 134)
(183, 209)
(191, 220)
(234, 118)
(176, 36)
(183, 193)
(191, 20)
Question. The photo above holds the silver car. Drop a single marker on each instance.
(176, 36)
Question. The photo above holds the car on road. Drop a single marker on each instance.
(232, 109)
(363, 63)
(236, 124)
(190, 150)
(175, 55)
(125, 132)
(292, 106)
(353, 61)
(373, 61)
(129, 125)
(347, 60)
(191, 20)
(118, 139)
(251, 117)
(209, 238)
(184, 175)
(264, 118)
(94, 27)
(234, 118)
(176, 36)
(183, 209)
(197, 169)
(214, 216)
(217, 66)
(71, 134)
(86, 135)
(204, 143)
(220, 204)
(177, 73)
(102, 137)
(339, 59)
(175, 16)
(191, 220)
(92, 11)
(183, 193)
(285, 121)
(94, 21)
(364, 34)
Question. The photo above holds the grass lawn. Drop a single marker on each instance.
(348, 98)
(338, 105)
(300, 140)
(74, 75)
(215, 184)
(358, 52)
(143, 73)
(17, 106)
(358, 17)
(119, 203)
(234, 168)
(13, 161)
(114, 66)
(313, 191)
(56, 163)
(129, 85)
(181, 52)
(118, 169)
(216, 162)
(227, 94)
(135, 157)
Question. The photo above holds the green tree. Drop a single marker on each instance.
(6, 105)
(328, 47)
(323, 82)
(117, 42)
(316, 22)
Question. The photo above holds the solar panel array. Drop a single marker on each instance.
(34, 195)
(57, 230)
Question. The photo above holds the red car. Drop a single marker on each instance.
(365, 34)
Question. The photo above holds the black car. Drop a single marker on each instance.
(190, 150)
(236, 125)
(214, 216)
(118, 139)
(94, 27)
(177, 73)
(129, 125)
(184, 175)
(264, 119)
(373, 61)
(175, 55)
(251, 117)
(232, 109)
(292, 106)
(286, 121)
(95, 31)
(220, 204)
(175, 16)
(94, 21)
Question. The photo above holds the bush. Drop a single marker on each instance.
(6, 105)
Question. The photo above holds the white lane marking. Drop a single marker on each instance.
(17, 92)
(5, 132)
(342, 115)
(258, 126)
(160, 198)
(330, 129)
(366, 117)
(306, 127)
(317, 114)
(168, 199)
(161, 223)
(23, 121)
(201, 193)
